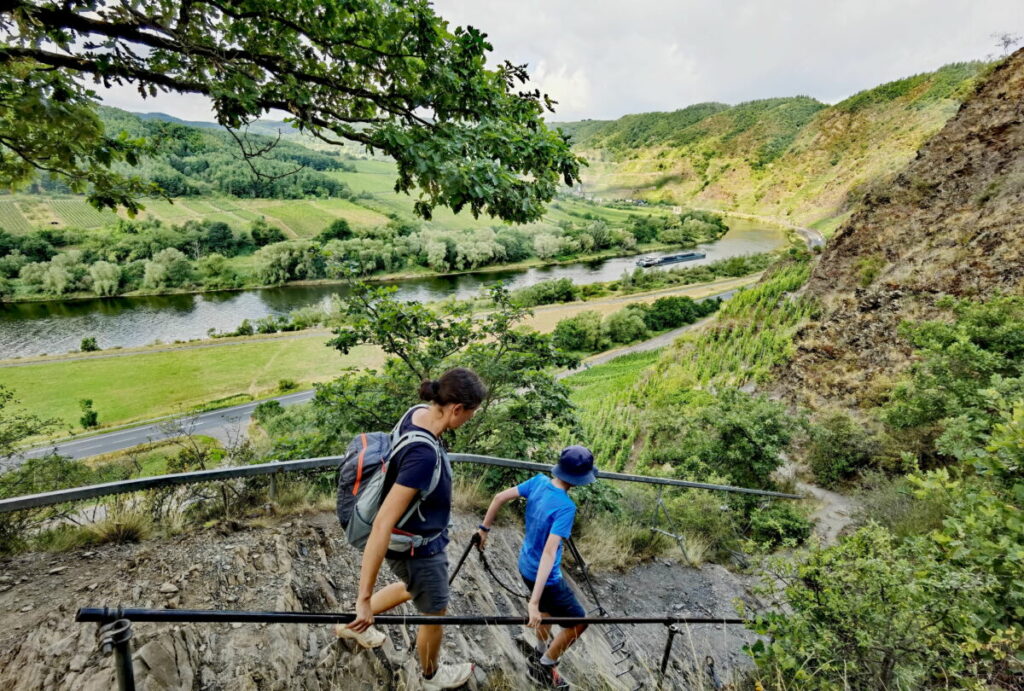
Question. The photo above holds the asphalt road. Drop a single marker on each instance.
(228, 424)
(224, 424)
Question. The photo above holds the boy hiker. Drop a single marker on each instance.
(549, 517)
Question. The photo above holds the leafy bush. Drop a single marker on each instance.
(625, 326)
(865, 614)
(266, 411)
(579, 333)
(779, 524)
(88, 345)
(287, 384)
(547, 293)
(839, 449)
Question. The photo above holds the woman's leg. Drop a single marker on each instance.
(389, 597)
(428, 644)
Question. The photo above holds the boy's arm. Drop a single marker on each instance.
(500, 499)
(547, 562)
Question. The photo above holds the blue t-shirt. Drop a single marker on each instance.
(549, 510)
(416, 469)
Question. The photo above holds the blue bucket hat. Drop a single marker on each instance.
(575, 466)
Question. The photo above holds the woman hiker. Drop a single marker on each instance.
(423, 570)
(549, 518)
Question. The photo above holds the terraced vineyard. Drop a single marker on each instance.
(11, 219)
(80, 214)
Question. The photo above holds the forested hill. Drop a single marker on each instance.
(196, 159)
(794, 158)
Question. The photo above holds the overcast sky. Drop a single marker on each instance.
(606, 58)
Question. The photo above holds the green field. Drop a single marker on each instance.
(146, 385)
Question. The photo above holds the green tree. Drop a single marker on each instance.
(580, 333)
(265, 234)
(88, 345)
(391, 76)
(625, 326)
(90, 418)
(339, 229)
(106, 278)
(525, 406)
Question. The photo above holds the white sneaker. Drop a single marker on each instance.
(371, 638)
(449, 677)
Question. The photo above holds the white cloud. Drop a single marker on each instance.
(606, 58)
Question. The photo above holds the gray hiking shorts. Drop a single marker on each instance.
(426, 580)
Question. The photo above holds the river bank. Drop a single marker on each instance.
(149, 382)
(36, 329)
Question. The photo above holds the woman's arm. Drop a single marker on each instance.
(500, 499)
(547, 562)
(395, 504)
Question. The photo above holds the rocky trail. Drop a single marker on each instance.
(302, 563)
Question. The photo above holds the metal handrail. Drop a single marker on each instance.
(105, 615)
(31, 501)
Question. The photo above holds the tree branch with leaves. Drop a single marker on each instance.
(392, 76)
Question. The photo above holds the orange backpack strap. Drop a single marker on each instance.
(359, 465)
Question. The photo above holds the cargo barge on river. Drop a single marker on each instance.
(646, 262)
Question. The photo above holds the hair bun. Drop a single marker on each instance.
(428, 390)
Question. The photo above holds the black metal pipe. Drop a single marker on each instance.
(473, 542)
(32, 501)
(106, 614)
(672, 631)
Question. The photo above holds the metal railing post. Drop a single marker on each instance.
(116, 637)
(672, 631)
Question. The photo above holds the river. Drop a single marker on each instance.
(36, 328)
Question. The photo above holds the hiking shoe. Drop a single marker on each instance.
(371, 638)
(552, 679)
(449, 677)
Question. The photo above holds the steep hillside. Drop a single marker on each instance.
(303, 564)
(949, 224)
(787, 157)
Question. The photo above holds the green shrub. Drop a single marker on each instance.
(267, 410)
(625, 326)
(780, 524)
(839, 449)
(579, 333)
(547, 293)
(287, 384)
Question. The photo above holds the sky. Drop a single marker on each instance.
(603, 59)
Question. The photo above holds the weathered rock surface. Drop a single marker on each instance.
(303, 564)
(952, 223)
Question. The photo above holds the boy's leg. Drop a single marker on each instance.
(561, 601)
(564, 639)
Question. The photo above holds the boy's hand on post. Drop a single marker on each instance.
(533, 609)
(481, 539)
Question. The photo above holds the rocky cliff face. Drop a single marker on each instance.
(303, 564)
(952, 223)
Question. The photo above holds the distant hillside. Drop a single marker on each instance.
(198, 159)
(949, 224)
(269, 128)
(792, 158)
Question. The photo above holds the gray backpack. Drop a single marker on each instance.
(364, 478)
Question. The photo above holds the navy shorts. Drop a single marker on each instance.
(426, 579)
(558, 600)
